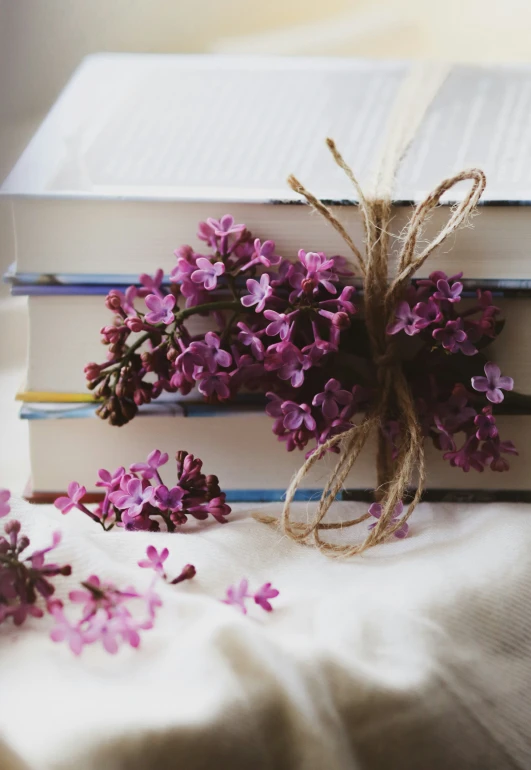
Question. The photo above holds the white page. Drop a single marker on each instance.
(233, 128)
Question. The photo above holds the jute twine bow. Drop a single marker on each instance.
(393, 397)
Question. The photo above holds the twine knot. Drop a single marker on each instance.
(393, 397)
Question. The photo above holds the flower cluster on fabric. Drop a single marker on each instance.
(138, 499)
(24, 579)
(294, 331)
(238, 594)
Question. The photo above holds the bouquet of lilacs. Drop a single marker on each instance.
(295, 332)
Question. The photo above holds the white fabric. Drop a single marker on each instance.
(416, 655)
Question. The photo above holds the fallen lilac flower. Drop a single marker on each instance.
(236, 596)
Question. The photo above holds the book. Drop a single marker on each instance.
(64, 336)
(253, 465)
(138, 148)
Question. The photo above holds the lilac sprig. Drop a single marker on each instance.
(24, 579)
(155, 561)
(237, 595)
(106, 615)
(138, 499)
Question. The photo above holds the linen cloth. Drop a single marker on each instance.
(415, 655)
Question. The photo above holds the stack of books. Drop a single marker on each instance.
(139, 149)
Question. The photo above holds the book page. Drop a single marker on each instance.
(233, 128)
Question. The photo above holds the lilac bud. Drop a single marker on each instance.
(341, 320)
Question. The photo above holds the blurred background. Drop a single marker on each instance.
(42, 41)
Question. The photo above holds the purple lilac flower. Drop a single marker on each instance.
(263, 253)
(297, 415)
(151, 285)
(110, 481)
(210, 353)
(456, 411)
(105, 616)
(469, 456)
(493, 450)
(493, 383)
(195, 293)
(450, 293)
(435, 277)
(249, 338)
(5, 494)
(376, 510)
(318, 272)
(293, 364)
(208, 273)
(486, 424)
(168, 499)
(149, 469)
(263, 595)
(210, 384)
(236, 596)
(406, 320)
(259, 293)
(72, 499)
(454, 339)
(280, 324)
(155, 560)
(444, 438)
(329, 399)
(132, 496)
(161, 309)
(428, 313)
(24, 578)
(225, 226)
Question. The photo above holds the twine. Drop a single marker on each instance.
(393, 395)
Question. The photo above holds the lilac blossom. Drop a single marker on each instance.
(453, 338)
(264, 594)
(493, 383)
(447, 292)
(210, 352)
(330, 399)
(105, 616)
(150, 468)
(259, 293)
(485, 424)
(72, 499)
(154, 560)
(207, 273)
(406, 320)
(252, 340)
(280, 324)
(211, 384)
(427, 313)
(297, 415)
(263, 253)
(194, 494)
(25, 578)
(161, 309)
(292, 365)
(132, 495)
(236, 596)
(376, 510)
